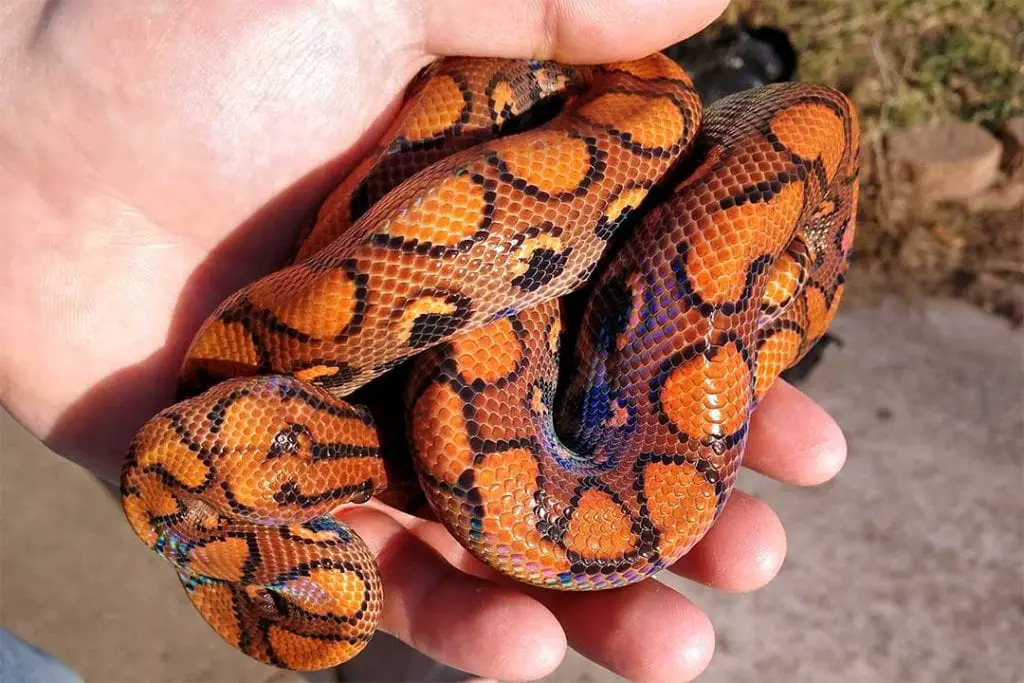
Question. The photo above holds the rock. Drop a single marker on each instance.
(948, 162)
(1004, 197)
(931, 254)
(1013, 140)
(1008, 194)
(998, 295)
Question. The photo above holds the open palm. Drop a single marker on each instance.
(155, 157)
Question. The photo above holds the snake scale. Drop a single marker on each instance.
(711, 247)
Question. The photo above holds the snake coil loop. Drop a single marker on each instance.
(453, 242)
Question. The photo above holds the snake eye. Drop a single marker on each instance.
(286, 441)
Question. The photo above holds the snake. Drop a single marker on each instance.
(687, 255)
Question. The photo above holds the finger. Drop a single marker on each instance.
(743, 551)
(580, 31)
(643, 632)
(457, 619)
(792, 439)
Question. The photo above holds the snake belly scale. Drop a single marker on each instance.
(496, 192)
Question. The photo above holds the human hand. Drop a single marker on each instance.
(153, 160)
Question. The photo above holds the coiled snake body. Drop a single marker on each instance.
(453, 242)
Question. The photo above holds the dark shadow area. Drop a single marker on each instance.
(729, 59)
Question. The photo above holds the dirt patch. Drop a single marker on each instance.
(906, 63)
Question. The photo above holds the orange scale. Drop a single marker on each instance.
(442, 107)
(317, 372)
(220, 559)
(821, 325)
(252, 483)
(238, 430)
(650, 68)
(503, 95)
(708, 397)
(223, 349)
(322, 306)
(326, 592)
(215, 602)
(302, 531)
(784, 281)
(680, 499)
(501, 469)
(438, 411)
(488, 353)
(536, 556)
(717, 285)
(554, 334)
(424, 306)
(630, 113)
(160, 444)
(775, 355)
(309, 653)
(448, 214)
(598, 529)
(326, 427)
(626, 201)
(533, 161)
(817, 312)
(792, 125)
(155, 500)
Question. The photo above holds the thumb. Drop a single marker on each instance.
(575, 31)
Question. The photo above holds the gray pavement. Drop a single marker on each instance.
(909, 567)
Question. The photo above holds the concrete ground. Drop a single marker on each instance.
(908, 567)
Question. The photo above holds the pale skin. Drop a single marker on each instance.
(156, 156)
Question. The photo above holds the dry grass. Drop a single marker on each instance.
(908, 61)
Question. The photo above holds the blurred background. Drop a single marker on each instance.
(909, 566)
